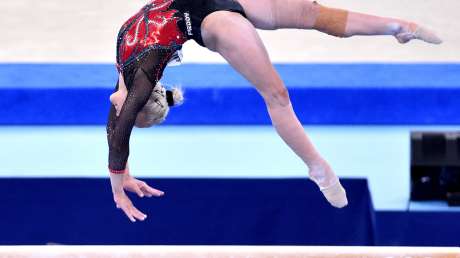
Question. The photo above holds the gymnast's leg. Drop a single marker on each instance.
(305, 14)
(236, 39)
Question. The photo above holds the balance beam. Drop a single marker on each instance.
(62, 251)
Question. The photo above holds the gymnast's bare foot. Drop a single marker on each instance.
(407, 31)
(329, 184)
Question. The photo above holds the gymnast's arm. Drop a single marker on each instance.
(121, 121)
(119, 128)
(134, 88)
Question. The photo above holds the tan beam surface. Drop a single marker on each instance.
(223, 252)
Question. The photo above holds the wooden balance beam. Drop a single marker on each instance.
(62, 251)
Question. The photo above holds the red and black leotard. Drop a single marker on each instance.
(145, 44)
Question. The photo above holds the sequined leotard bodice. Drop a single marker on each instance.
(155, 26)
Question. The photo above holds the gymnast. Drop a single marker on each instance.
(153, 37)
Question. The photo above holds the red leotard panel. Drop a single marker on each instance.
(154, 26)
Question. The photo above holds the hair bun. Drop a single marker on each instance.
(175, 97)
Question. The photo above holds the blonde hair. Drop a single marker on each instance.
(157, 107)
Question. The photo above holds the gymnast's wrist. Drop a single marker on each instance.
(116, 181)
(118, 172)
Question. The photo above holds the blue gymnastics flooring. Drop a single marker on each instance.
(380, 154)
(322, 94)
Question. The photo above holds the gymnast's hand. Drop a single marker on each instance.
(139, 187)
(123, 182)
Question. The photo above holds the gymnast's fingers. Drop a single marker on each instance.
(155, 192)
(138, 214)
(146, 193)
(126, 209)
(122, 202)
(138, 191)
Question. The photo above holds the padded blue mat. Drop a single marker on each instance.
(322, 94)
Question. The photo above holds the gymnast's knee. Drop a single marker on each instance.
(276, 97)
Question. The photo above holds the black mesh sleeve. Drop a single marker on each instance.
(140, 79)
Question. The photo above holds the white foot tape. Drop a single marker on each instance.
(335, 194)
(427, 35)
(418, 32)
